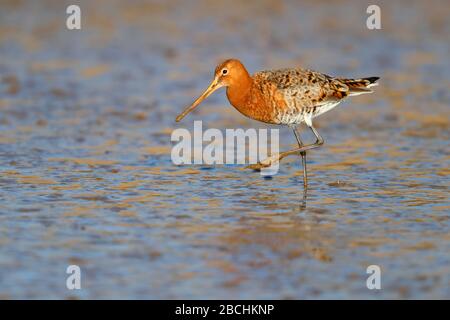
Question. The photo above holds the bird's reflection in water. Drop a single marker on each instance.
(304, 196)
(275, 198)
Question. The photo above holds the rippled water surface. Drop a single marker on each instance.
(87, 178)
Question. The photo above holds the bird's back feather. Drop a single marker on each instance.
(307, 93)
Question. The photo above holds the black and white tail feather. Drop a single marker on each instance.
(360, 86)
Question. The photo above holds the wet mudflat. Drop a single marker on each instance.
(87, 178)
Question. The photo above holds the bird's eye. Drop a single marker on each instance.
(224, 71)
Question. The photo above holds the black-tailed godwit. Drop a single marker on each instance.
(285, 97)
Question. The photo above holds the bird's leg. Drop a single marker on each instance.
(268, 162)
(303, 154)
(318, 143)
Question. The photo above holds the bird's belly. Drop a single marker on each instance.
(289, 117)
(324, 108)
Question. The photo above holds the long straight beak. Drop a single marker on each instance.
(212, 87)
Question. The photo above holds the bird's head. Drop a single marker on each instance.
(227, 73)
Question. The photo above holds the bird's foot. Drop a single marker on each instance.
(265, 163)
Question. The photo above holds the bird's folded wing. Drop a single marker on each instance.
(305, 88)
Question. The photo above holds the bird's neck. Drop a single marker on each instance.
(240, 94)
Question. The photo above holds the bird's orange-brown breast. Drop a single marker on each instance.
(255, 100)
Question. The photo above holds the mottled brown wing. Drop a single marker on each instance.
(304, 89)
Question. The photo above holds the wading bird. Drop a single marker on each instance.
(285, 97)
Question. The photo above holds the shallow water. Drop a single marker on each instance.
(87, 179)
